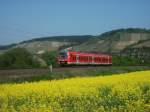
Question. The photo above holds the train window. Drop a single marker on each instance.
(63, 54)
(82, 58)
(74, 57)
(71, 57)
(105, 60)
(90, 58)
(95, 59)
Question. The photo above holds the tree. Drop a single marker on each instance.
(18, 58)
(50, 58)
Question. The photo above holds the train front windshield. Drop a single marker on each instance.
(63, 55)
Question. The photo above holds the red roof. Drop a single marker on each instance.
(89, 54)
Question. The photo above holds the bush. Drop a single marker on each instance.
(50, 58)
(17, 58)
(127, 61)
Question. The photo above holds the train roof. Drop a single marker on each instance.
(89, 53)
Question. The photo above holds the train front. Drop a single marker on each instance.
(62, 57)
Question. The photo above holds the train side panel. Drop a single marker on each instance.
(82, 58)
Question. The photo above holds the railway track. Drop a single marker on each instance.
(36, 72)
(41, 71)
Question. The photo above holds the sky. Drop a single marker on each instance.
(26, 19)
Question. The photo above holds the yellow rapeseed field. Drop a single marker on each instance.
(117, 93)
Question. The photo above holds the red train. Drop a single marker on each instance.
(69, 57)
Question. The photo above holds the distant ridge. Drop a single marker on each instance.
(116, 40)
(77, 38)
(113, 41)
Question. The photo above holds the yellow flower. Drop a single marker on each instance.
(130, 92)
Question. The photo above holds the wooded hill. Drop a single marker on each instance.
(131, 42)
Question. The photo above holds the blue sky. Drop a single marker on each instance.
(26, 19)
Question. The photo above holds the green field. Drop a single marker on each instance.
(34, 75)
(116, 93)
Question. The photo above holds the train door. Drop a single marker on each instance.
(108, 60)
(92, 59)
(77, 59)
